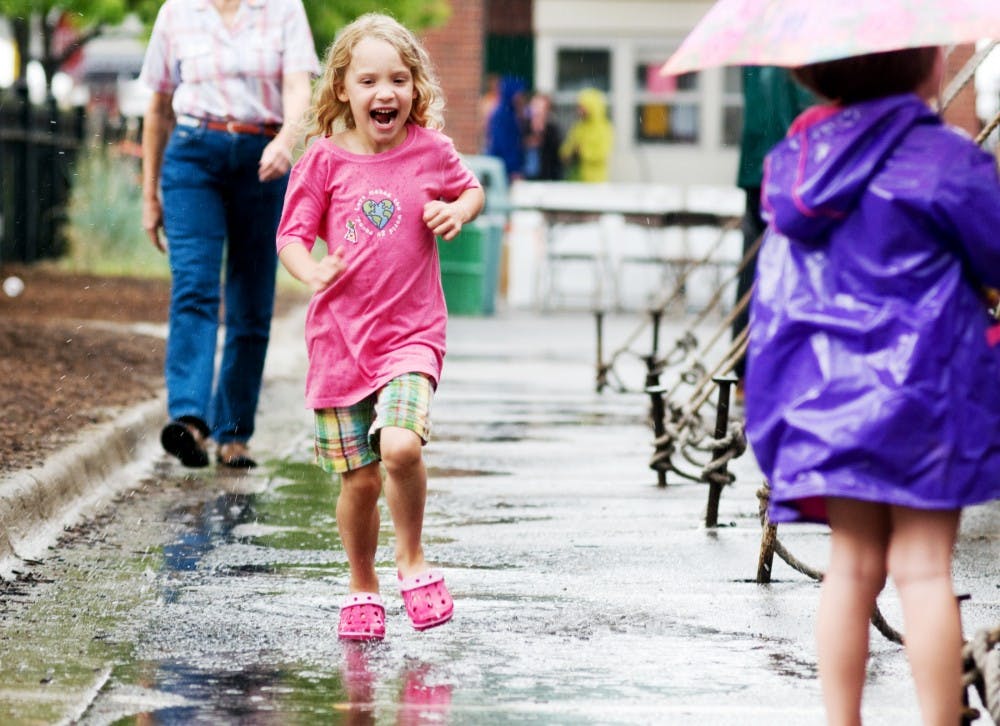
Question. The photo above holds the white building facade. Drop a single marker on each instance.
(667, 130)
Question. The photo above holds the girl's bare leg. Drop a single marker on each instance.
(920, 554)
(406, 495)
(358, 522)
(856, 575)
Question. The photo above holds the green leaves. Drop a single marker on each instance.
(90, 17)
(326, 18)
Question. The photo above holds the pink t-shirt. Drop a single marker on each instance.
(386, 314)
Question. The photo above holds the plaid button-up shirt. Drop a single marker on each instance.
(215, 71)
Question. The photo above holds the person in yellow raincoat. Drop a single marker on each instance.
(587, 148)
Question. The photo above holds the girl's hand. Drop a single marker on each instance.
(327, 270)
(443, 219)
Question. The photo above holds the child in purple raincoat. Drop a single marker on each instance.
(873, 389)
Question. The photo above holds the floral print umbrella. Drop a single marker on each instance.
(798, 32)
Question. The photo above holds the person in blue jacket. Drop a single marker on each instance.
(873, 373)
(504, 136)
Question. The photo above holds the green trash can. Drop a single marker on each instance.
(470, 263)
(463, 271)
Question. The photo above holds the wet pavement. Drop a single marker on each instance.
(584, 593)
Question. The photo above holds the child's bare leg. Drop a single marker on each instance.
(358, 522)
(406, 495)
(920, 553)
(856, 575)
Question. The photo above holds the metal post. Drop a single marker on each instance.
(657, 409)
(16, 225)
(765, 562)
(768, 536)
(602, 373)
(656, 315)
(33, 205)
(725, 383)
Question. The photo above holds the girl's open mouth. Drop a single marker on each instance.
(383, 117)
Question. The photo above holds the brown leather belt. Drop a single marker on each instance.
(232, 127)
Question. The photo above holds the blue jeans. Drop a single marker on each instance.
(218, 216)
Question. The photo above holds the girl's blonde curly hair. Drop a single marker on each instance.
(328, 114)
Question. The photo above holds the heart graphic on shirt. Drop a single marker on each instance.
(378, 213)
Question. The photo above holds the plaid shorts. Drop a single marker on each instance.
(347, 437)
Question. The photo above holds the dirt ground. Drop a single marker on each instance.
(73, 353)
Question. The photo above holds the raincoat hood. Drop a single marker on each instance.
(588, 143)
(592, 102)
(815, 177)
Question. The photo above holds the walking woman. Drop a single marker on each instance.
(231, 80)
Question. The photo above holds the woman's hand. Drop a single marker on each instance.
(152, 221)
(275, 160)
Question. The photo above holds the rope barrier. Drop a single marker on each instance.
(688, 341)
(966, 74)
(877, 619)
(686, 432)
(987, 130)
(981, 663)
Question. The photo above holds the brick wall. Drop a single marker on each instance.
(509, 17)
(961, 112)
(457, 52)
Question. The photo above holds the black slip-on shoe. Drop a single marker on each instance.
(186, 442)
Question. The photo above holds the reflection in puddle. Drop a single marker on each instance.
(420, 699)
(210, 523)
(202, 696)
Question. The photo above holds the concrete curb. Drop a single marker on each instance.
(37, 504)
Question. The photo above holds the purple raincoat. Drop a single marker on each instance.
(869, 374)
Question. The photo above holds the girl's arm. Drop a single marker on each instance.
(316, 274)
(446, 219)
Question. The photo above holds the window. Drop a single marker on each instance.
(579, 68)
(666, 107)
(576, 69)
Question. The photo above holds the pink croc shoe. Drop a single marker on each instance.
(362, 617)
(427, 600)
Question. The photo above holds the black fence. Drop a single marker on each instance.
(38, 148)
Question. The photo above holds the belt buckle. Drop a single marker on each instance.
(231, 126)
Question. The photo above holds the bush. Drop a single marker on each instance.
(105, 217)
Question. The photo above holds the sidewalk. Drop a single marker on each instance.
(584, 593)
(602, 596)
